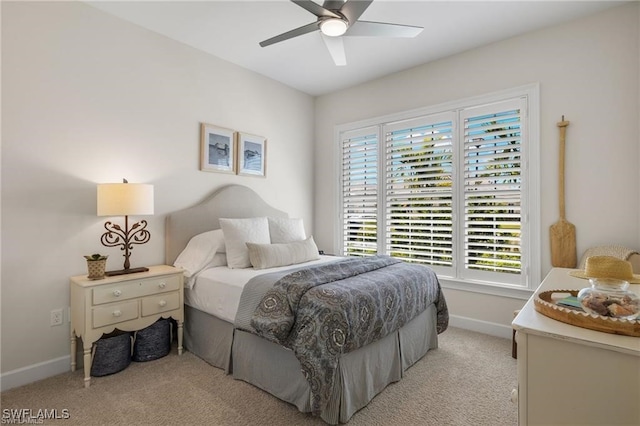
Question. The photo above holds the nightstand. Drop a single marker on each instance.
(126, 302)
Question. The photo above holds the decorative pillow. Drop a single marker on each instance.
(238, 232)
(271, 255)
(200, 251)
(286, 230)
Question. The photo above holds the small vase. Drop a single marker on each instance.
(96, 269)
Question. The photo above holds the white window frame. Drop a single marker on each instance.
(531, 192)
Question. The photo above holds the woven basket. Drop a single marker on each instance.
(111, 354)
(152, 342)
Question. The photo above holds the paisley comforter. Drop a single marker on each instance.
(325, 311)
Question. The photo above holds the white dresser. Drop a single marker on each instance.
(569, 375)
(126, 302)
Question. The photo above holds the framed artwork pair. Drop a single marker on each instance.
(228, 151)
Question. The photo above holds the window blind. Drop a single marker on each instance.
(492, 167)
(418, 192)
(360, 192)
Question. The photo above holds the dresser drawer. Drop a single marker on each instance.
(132, 289)
(116, 313)
(152, 305)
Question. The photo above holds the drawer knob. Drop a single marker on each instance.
(163, 303)
(162, 285)
(117, 313)
(117, 293)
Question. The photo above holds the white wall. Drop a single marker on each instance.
(88, 98)
(588, 70)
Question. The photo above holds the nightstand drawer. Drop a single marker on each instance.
(137, 288)
(160, 285)
(161, 303)
(113, 314)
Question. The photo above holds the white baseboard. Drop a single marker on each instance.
(490, 328)
(35, 372)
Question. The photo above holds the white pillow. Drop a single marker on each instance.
(271, 255)
(200, 251)
(219, 259)
(238, 232)
(286, 230)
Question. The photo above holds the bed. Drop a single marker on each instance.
(217, 316)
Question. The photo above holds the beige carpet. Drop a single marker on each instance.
(466, 381)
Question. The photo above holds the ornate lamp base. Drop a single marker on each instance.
(126, 238)
(125, 271)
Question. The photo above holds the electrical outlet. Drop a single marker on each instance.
(56, 317)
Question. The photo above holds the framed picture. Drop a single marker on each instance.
(252, 155)
(217, 149)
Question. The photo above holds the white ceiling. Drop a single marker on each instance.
(231, 30)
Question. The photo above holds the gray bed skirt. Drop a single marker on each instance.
(362, 373)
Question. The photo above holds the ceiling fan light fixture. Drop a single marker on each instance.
(333, 27)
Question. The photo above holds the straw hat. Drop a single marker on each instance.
(607, 267)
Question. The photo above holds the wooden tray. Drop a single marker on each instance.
(545, 305)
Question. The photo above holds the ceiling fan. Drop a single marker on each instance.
(337, 18)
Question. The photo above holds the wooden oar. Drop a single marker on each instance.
(563, 233)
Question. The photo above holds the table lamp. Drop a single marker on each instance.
(125, 199)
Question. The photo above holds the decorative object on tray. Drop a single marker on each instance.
(606, 306)
(96, 266)
(125, 199)
(607, 267)
(610, 297)
(217, 149)
(547, 304)
(252, 155)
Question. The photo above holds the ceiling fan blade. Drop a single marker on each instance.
(316, 9)
(352, 9)
(381, 29)
(333, 4)
(335, 45)
(291, 34)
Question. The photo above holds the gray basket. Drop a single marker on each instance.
(111, 354)
(152, 342)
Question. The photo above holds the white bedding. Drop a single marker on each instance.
(217, 290)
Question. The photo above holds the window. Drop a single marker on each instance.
(449, 187)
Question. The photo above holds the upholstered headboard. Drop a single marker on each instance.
(234, 201)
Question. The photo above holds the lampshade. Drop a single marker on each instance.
(125, 199)
(333, 27)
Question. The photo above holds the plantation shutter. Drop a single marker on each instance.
(454, 187)
(419, 190)
(360, 192)
(492, 195)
